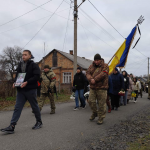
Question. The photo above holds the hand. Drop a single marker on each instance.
(92, 81)
(14, 85)
(127, 89)
(24, 84)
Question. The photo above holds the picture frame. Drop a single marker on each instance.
(20, 79)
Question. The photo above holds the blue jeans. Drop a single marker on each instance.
(79, 93)
(124, 98)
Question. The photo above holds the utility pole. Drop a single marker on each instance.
(148, 81)
(75, 32)
(148, 69)
(75, 35)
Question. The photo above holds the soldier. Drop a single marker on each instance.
(97, 75)
(48, 78)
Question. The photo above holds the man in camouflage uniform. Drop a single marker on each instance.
(48, 78)
(97, 74)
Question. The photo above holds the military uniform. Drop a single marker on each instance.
(46, 83)
(98, 91)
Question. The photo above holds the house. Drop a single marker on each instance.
(62, 65)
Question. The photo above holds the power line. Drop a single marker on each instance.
(105, 18)
(98, 37)
(67, 28)
(43, 24)
(33, 22)
(111, 24)
(93, 21)
(86, 34)
(137, 64)
(42, 7)
(24, 14)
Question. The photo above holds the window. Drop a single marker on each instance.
(54, 59)
(67, 77)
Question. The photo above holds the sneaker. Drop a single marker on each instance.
(112, 108)
(134, 101)
(84, 107)
(76, 108)
(9, 130)
(109, 110)
(38, 125)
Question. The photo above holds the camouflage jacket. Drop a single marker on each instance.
(51, 75)
(99, 74)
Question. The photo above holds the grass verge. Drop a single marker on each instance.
(140, 144)
(9, 103)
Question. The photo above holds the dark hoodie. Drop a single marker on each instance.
(79, 81)
(32, 74)
(126, 81)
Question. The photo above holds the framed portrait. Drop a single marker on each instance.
(20, 79)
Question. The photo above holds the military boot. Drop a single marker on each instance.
(93, 116)
(100, 121)
(52, 111)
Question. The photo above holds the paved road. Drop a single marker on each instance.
(66, 130)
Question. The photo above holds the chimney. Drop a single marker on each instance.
(83, 57)
(71, 52)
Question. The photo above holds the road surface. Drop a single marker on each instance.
(66, 130)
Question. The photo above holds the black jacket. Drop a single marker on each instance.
(32, 74)
(118, 83)
(126, 81)
(79, 81)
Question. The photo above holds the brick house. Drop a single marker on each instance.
(62, 65)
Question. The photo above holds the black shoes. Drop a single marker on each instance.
(38, 125)
(9, 130)
(116, 108)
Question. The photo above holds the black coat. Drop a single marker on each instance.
(118, 83)
(126, 82)
(32, 74)
(79, 81)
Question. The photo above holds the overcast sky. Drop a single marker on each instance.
(95, 35)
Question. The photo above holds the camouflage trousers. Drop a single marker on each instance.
(43, 98)
(98, 107)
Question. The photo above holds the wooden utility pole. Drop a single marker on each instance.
(148, 81)
(75, 32)
(148, 69)
(75, 35)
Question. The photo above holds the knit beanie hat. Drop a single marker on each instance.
(116, 69)
(97, 57)
(46, 66)
(79, 68)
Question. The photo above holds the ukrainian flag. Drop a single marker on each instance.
(120, 57)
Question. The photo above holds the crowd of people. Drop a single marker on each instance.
(115, 90)
(104, 89)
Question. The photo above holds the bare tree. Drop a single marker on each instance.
(9, 59)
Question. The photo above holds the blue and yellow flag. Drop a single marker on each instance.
(120, 57)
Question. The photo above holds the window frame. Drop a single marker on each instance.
(68, 77)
